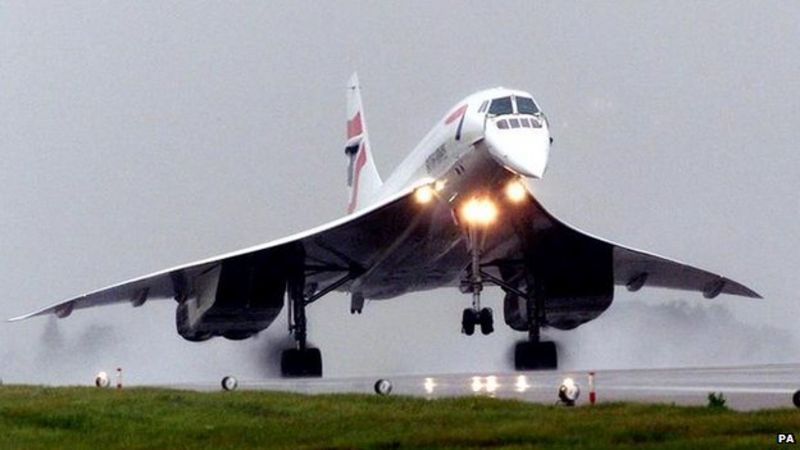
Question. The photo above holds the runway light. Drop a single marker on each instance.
(101, 380)
(491, 384)
(522, 384)
(568, 392)
(479, 211)
(429, 385)
(515, 191)
(229, 383)
(439, 185)
(383, 387)
(424, 194)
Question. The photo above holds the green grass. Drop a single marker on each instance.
(90, 418)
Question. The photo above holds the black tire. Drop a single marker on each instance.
(535, 356)
(487, 321)
(312, 363)
(796, 399)
(468, 321)
(301, 363)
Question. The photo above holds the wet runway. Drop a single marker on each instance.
(745, 388)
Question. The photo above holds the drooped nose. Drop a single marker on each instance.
(522, 150)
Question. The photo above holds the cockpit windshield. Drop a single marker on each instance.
(505, 105)
(501, 106)
(526, 105)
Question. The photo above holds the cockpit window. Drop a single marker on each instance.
(526, 105)
(501, 106)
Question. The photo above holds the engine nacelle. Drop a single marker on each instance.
(577, 279)
(236, 299)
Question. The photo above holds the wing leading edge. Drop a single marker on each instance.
(635, 269)
(320, 247)
(357, 243)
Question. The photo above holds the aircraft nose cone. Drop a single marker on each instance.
(521, 150)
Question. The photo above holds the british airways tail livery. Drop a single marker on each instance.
(456, 213)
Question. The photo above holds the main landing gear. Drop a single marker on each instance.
(305, 361)
(301, 361)
(535, 354)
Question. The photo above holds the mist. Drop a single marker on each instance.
(141, 136)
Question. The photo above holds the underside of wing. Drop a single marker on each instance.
(636, 268)
(248, 286)
(532, 254)
(631, 267)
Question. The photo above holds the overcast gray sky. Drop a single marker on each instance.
(137, 136)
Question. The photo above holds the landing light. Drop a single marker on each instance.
(515, 191)
(479, 211)
(424, 194)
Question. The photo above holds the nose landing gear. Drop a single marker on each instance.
(472, 318)
(476, 315)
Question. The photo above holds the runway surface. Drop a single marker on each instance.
(745, 388)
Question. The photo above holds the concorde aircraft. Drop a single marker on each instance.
(456, 213)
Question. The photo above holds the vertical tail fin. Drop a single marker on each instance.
(363, 179)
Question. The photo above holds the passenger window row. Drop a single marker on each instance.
(524, 122)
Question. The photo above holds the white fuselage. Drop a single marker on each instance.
(522, 145)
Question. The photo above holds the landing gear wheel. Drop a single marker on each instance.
(535, 356)
(469, 319)
(486, 319)
(301, 362)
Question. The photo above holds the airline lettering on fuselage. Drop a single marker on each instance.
(436, 159)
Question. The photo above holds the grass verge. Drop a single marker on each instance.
(144, 418)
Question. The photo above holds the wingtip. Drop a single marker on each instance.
(751, 293)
